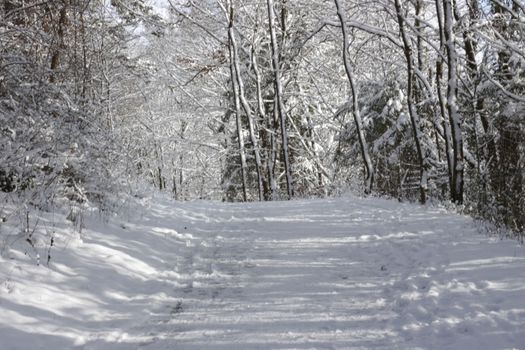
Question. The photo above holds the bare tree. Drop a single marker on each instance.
(240, 136)
(452, 108)
(414, 117)
(369, 168)
(247, 109)
(279, 102)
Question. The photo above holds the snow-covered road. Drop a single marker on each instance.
(319, 274)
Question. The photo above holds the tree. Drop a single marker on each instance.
(414, 117)
(278, 95)
(456, 185)
(369, 175)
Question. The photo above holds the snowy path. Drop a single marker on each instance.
(338, 275)
(322, 274)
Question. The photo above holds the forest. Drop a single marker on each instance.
(264, 100)
(262, 174)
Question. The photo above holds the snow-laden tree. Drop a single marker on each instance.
(266, 100)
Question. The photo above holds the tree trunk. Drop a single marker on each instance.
(441, 99)
(268, 135)
(369, 174)
(455, 122)
(240, 137)
(414, 117)
(279, 98)
(55, 57)
(245, 105)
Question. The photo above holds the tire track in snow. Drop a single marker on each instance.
(283, 279)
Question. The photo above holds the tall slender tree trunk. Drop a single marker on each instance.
(452, 108)
(279, 99)
(268, 136)
(418, 26)
(369, 174)
(414, 117)
(245, 104)
(441, 98)
(487, 153)
(240, 136)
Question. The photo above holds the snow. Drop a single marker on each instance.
(344, 273)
